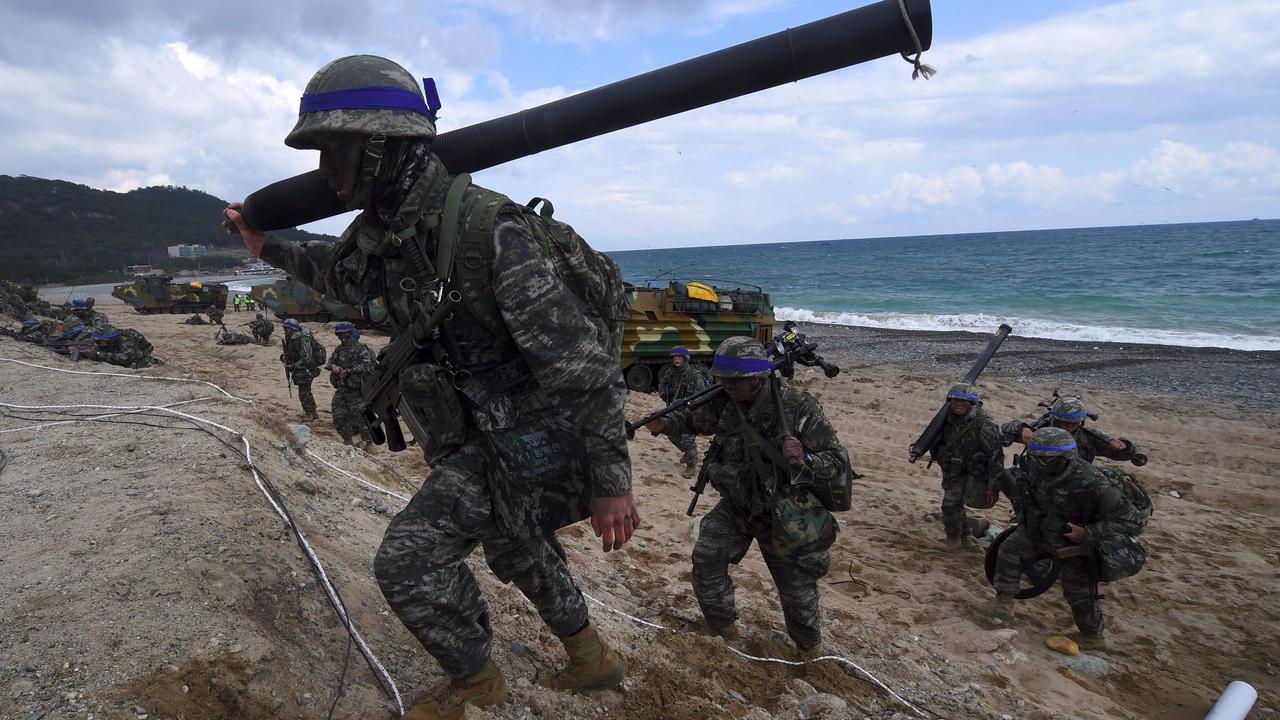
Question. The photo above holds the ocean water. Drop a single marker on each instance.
(1201, 284)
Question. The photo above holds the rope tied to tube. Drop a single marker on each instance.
(921, 69)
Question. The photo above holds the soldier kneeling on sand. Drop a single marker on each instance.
(767, 479)
(261, 329)
(1072, 512)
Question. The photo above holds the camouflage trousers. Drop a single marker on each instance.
(1080, 591)
(348, 414)
(953, 514)
(303, 378)
(688, 446)
(422, 571)
(724, 537)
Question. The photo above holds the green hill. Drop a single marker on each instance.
(57, 231)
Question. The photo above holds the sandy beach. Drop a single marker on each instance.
(147, 574)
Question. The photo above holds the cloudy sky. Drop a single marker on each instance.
(1043, 114)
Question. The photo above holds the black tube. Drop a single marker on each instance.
(850, 38)
(929, 437)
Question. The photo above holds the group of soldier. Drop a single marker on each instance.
(506, 349)
(75, 329)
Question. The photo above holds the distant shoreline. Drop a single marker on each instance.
(1247, 377)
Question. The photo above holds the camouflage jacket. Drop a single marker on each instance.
(547, 356)
(1081, 495)
(1090, 443)
(216, 314)
(262, 328)
(297, 351)
(125, 350)
(733, 462)
(356, 358)
(675, 383)
(93, 319)
(226, 337)
(970, 447)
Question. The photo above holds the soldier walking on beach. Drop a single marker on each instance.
(680, 379)
(349, 365)
(972, 460)
(764, 482)
(303, 355)
(1068, 509)
(523, 397)
(215, 314)
(261, 328)
(1068, 413)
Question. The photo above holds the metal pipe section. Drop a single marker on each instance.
(1235, 703)
(853, 37)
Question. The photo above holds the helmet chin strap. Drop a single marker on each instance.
(362, 196)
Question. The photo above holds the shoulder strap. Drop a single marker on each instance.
(472, 260)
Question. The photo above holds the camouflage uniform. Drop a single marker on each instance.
(348, 406)
(215, 314)
(226, 337)
(969, 452)
(749, 484)
(1081, 495)
(675, 383)
(262, 328)
(126, 348)
(1090, 443)
(91, 318)
(195, 320)
(297, 358)
(538, 428)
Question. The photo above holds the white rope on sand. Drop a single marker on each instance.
(248, 457)
(127, 375)
(832, 658)
(357, 478)
(94, 418)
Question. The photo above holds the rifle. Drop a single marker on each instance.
(932, 434)
(70, 348)
(284, 349)
(381, 390)
(700, 485)
(692, 402)
(793, 348)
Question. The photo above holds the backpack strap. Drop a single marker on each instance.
(470, 253)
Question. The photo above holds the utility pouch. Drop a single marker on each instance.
(800, 526)
(1119, 557)
(436, 409)
(538, 475)
(981, 493)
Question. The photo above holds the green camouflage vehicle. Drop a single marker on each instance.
(694, 314)
(289, 298)
(151, 294)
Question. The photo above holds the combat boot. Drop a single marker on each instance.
(346, 441)
(733, 638)
(593, 665)
(1003, 611)
(312, 415)
(485, 688)
(967, 542)
(689, 471)
(1096, 643)
(952, 542)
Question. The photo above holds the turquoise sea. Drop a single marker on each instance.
(1202, 284)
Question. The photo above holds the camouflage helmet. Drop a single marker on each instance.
(291, 324)
(106, 334)
(680, 350)
(365, 95)
(964, 391)
(1051, 442)
(741, 356)
(259, 316)
(1068, 409)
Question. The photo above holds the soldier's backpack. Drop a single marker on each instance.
(1134, 492)
(138, 338)
(465, 254)
(318, 352)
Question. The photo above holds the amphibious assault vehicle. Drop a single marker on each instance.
(290, 298)
(154, 293)
(693, 314)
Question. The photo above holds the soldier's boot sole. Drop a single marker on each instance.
(593, 665)
(484, 689)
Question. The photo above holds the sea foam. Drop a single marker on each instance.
(1029, 327)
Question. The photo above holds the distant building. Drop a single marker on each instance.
(188, 251)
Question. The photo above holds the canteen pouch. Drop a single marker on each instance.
(432, 408)
(801, 526)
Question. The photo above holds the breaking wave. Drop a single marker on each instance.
(1026, 327)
